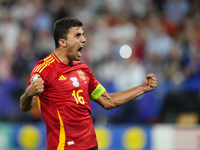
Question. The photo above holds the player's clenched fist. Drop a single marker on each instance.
(36, 87)
(150, 82)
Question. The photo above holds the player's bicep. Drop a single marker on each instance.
(103, 100)
(97, 92)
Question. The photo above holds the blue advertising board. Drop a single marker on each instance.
(110, 137)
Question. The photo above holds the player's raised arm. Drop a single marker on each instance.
(109, 101)
(29, 97)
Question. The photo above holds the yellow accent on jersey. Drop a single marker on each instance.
(38, 102)
(55, 57)
(62, 78)
(61, 144)
(47, 62)
(39, 66)
(99, 90)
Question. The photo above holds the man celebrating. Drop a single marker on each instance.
(63, 88)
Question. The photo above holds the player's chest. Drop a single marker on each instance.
(69, 81)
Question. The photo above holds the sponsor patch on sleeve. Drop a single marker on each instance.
(97, 92)
(35, 76)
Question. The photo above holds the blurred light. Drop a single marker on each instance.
(29, 137)
(125, 51)
(134, 138)
(104, 137)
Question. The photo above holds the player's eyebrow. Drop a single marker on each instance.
(78, 34)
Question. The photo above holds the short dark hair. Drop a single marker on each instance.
(62, 26)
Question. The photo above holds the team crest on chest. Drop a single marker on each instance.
(74, 81)
(81, 75)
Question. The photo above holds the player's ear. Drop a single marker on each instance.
(62, 42)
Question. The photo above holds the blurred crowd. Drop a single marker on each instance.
(164, 37)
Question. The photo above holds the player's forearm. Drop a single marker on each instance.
(121, 98)
(26, 102)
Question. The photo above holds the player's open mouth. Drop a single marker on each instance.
(79, 51)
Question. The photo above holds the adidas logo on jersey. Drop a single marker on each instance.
(62, 78)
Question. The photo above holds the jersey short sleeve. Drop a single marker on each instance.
(38, 72)
(95, 88)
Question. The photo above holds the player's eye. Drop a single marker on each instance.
(77, 35)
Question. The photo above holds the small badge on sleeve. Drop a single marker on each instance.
(35, 76)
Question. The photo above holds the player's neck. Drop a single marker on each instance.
(61, 56)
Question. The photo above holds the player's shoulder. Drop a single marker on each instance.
(45, 64)
(84, 67)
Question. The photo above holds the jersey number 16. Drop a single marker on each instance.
(77, 97)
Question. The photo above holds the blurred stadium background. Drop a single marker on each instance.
(126, 39)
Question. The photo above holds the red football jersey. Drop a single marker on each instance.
(65, 103)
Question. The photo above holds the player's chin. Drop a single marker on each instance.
(77, 58)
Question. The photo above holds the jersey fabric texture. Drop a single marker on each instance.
(65, 103)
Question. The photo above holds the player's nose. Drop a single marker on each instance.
(83, 39)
